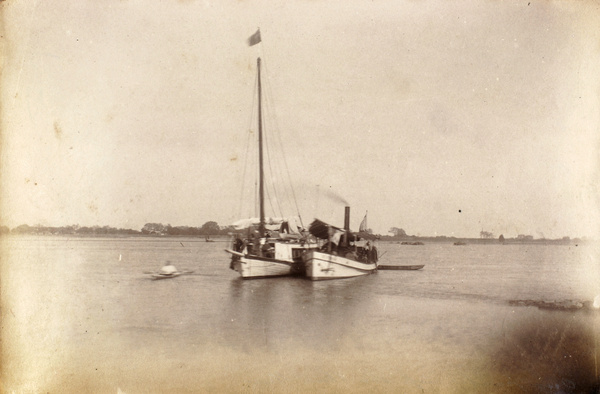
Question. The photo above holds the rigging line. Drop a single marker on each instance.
(270, 202)
(256, 199)
(249, 144)
(272, 173)
(266, 189)
(280, 170)
(248, 140)
(284, 157)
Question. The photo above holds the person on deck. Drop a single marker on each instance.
(238, 243)
(256, 243)
(373, 254)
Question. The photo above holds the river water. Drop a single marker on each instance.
(82, 315)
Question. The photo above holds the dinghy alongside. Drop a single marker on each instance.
(401, 267)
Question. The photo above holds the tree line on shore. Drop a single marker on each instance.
(212, 228)
(484, 237)
(209, 228)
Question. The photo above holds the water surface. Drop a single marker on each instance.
(82, 314)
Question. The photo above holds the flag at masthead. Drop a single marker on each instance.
(254, 38)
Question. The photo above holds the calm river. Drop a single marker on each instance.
(81, 315)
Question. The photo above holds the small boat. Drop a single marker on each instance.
(400, 267)
(166, 272)
(340, 257)
(460, 243)
(159, 275)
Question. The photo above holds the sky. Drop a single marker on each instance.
(441, 118)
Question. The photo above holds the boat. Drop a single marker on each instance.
(273, 258)
(160, 275)
(343, 255)
(166, 272)
(277, 251)
(271, 247)
(400, 267)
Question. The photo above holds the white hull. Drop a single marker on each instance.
(257, 267)
(320, 266)
(287, 261)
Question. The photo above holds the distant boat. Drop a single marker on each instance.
(460, 243)
(341, 256)
(412, 243)
(207, 239)
(273, 252)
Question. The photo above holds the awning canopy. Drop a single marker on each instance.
(271, 223)
(320, 229)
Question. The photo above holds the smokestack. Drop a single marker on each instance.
(346, 226)
(347, 219)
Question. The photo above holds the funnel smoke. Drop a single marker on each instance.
(335, 197)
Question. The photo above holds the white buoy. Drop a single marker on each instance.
(119, 257)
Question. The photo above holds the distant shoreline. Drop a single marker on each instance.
(404, 241)
(211, 230)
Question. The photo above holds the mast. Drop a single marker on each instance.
(261, 226)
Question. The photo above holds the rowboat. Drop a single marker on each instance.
(158, 276)
(167, 272)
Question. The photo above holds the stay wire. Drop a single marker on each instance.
(285, 158)
(248, 144)
(272, 174)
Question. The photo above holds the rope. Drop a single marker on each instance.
(274, 165)
(272, 173)
(281, 147)
(250, 120)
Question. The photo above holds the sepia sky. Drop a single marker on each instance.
(442, 118)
